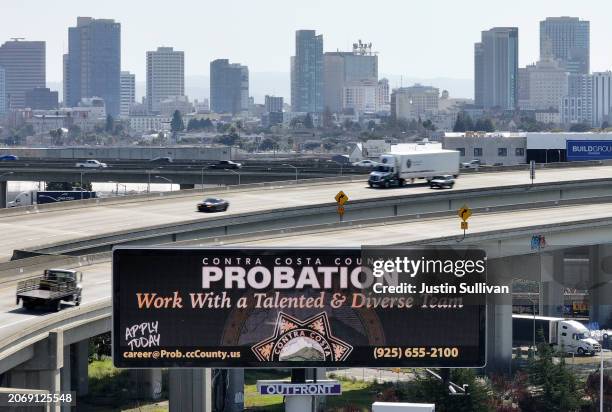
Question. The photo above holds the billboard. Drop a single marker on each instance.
(249, 307)
(589, 149)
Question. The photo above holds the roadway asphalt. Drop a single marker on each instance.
(38, 229)
(97, 283)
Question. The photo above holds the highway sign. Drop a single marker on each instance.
(464, 213)
(341, 198)
(464, 225)
(532, 170)
(296, 308)
(341, 210)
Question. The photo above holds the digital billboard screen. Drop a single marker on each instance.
(250, 307)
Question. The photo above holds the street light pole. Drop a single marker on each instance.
(202, 180)
(296, 170)
(166, 179)
(235, 172)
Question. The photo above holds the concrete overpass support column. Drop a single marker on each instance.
(79, 367)
(148, 383)
(552, 284)
(499, 333)
(234, 397)
(185, 186)
(65, 377)
(190, 390)
(43, 371)
(601, 280)
(3, 191)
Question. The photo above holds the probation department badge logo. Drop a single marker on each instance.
(302, 341)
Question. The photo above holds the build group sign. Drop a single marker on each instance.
(225, 307)
(589, 149)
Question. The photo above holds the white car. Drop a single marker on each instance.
(365, 163)
(92, 164)
(474, 164)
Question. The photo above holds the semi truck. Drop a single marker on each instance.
(396, 168)
(568, 335)
(51, 289)
(49, 196)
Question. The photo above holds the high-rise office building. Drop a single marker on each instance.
(41, 98)
(383, 95)
(307, 73)
(24, 69)
(414, 102)
(229, 87)
(3, 100)
(274, 104)
(93, 64)
(569, 38)
(128, 93)
(341, 69)
(577, 105)
(547, 84)
(496, 69)
(165, 76)
(602, 97)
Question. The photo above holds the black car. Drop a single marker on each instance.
(163, 160)
(226, 164)
(442, 181)
(213, 204)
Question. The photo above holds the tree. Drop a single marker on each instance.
(267, 144)
(605, 125)
(308, 123)
(557, 386)
(592, 390)
(428, 124)
(56, 136)
(176, 124)
(110, 124)
(74, 132)
(428, 389)
(459, 124)
(328, 118)
(580, 128)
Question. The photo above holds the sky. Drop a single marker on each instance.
(416, 39)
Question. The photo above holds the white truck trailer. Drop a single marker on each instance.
(396, 168)
(568, 335)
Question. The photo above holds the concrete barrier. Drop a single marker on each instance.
(439, 201)
(141, 197)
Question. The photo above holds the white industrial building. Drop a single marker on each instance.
(498, 148)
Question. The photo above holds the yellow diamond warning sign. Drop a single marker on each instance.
(464, 213)
(341, 198)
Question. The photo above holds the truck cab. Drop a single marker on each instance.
(54, 287)
(384, 173)
(574, 337)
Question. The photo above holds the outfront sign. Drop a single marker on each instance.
(589, 149)
(324, 387)
(224, 307)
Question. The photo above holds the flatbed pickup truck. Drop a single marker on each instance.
(50, 289)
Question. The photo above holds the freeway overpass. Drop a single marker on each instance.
(580, 215)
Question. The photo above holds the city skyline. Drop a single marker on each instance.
(392, 37)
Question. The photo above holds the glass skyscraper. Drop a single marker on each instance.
(496, 69)
(229, 87)
(307, 73)
(24, 69)
(93, 63)
(568, 39)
